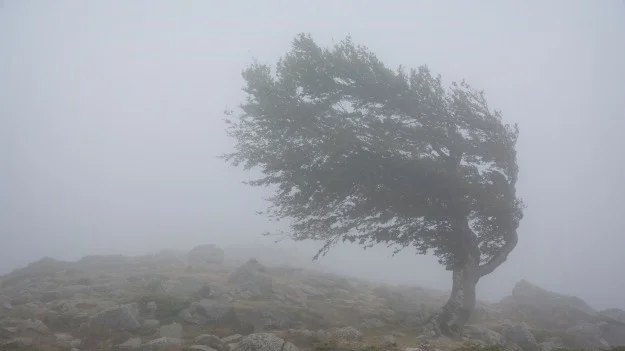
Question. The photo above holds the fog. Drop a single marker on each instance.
(111, 124)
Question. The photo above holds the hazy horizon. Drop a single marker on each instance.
(111, 124)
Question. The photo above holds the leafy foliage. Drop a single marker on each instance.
(358, 152)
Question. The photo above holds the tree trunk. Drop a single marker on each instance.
(465, 275)
(456, 312)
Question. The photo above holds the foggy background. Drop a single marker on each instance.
(111, 121)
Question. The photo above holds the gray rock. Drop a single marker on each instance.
(182, 287)
(130, 344)
(7, 305)
(209, 340)
(151, 323)
(208, 312)
(388, 341)
(246, 271)
(124, 317)
(587, 335)
(273, 318)
(613, 332)
(264, 342)
(348, 334)
(521, 335)
(200, 348)
(36, 325)
(527, 293)
(66, 340)
(550, 345)
(370, 323)
(160, 344)
(16, 343)
(232, 339)
(614, 314)
(173, 330)
(204, 292)
(252, 280)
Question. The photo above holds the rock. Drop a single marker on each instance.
(525, 292)
(66, 340)
(348, 334)
(551, 345)
(205, 255)
(50, 296)
(130, 344)
(173, 330)
(371, 323)
(204, 292)
(124, 318)
(16, 343)
(209, 340)
(613, 332)
(301, 336)
(7, 305)
(182, 287)
(587, 335)
(246, 271)
(200, 348)
(264, 342)
(521, 335)
(489, 337)
(151, 323)
(273, 318)
(232, 339)
(161, 344)
(36, 325)
(614, 314)
(252, 280)
(388, 341)
(208, 312)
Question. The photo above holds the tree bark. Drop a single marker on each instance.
(456, 312)
(465, 275)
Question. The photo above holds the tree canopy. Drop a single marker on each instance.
(362, 153)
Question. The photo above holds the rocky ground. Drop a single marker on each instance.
(196, 301)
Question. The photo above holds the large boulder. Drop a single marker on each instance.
(205, 255)
(264, 342)
(123, 318)
(527, 293)
(252, 280)
(544, 309)
(521, 335)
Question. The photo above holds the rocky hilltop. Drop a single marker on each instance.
(200, 301)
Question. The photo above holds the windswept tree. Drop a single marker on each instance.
(361, 153)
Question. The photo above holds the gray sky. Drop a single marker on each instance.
(111, 121)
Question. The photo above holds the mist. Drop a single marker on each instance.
(111, 124)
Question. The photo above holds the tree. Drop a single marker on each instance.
(358, 152)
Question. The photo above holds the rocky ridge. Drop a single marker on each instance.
(197, 301)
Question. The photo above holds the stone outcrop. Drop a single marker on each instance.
(154, 302)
